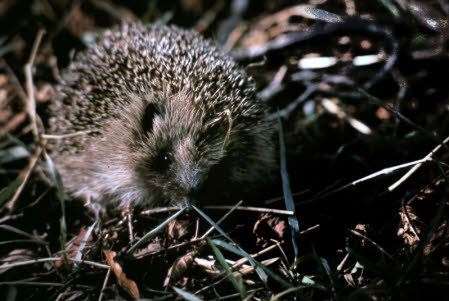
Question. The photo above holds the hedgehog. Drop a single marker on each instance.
(155, 115)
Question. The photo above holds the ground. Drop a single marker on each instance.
(359, 210)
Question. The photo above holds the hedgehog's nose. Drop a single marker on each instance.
(191, 198)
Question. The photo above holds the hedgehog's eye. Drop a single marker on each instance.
(162, 161)
(151, 110)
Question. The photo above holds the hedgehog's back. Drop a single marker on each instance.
(138, 59)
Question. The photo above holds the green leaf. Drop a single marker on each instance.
(236, 282)
(288, 196)
(266, 270)
(262, 275)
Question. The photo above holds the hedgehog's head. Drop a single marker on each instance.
(170, 150)
(178, 145)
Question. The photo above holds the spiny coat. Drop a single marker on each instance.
(157, 115)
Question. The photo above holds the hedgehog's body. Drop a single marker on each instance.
(166, 118)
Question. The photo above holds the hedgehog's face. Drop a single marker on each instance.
(168, 151)
(177, 148)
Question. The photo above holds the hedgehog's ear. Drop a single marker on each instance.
(219, 128)
(147, 119)
(213, 130)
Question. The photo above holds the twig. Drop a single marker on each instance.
(333, 108)
(10, 217)
(19, 241)
(376, 174)
(91, 263)
(428, 157)
(278, 245)
(389, 170)
(382, 250)
(129, 219)
(159, 210)
(342, 263)
(255, 209)
(150, 234)
(105, 282)
(23, 233)
(58, 137)
(31, 101)
(310, 229)
(50, 259)
(221, 220)
(25, 175)
(245, 259)
(12, 283)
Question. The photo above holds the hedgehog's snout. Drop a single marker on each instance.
(189, 181)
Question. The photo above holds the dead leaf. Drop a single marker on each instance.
(72, 247)
(269, 227)
(177, 229)
(178, 269)
(407, 230)
(129, 285)
(16, 255)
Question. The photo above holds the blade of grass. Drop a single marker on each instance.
(153, 232)
(322, 262)
(60, 194)
(288, 197)
(31, 101)
(24, 175)
(262, 275)
(266, 270)
(237, 283)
